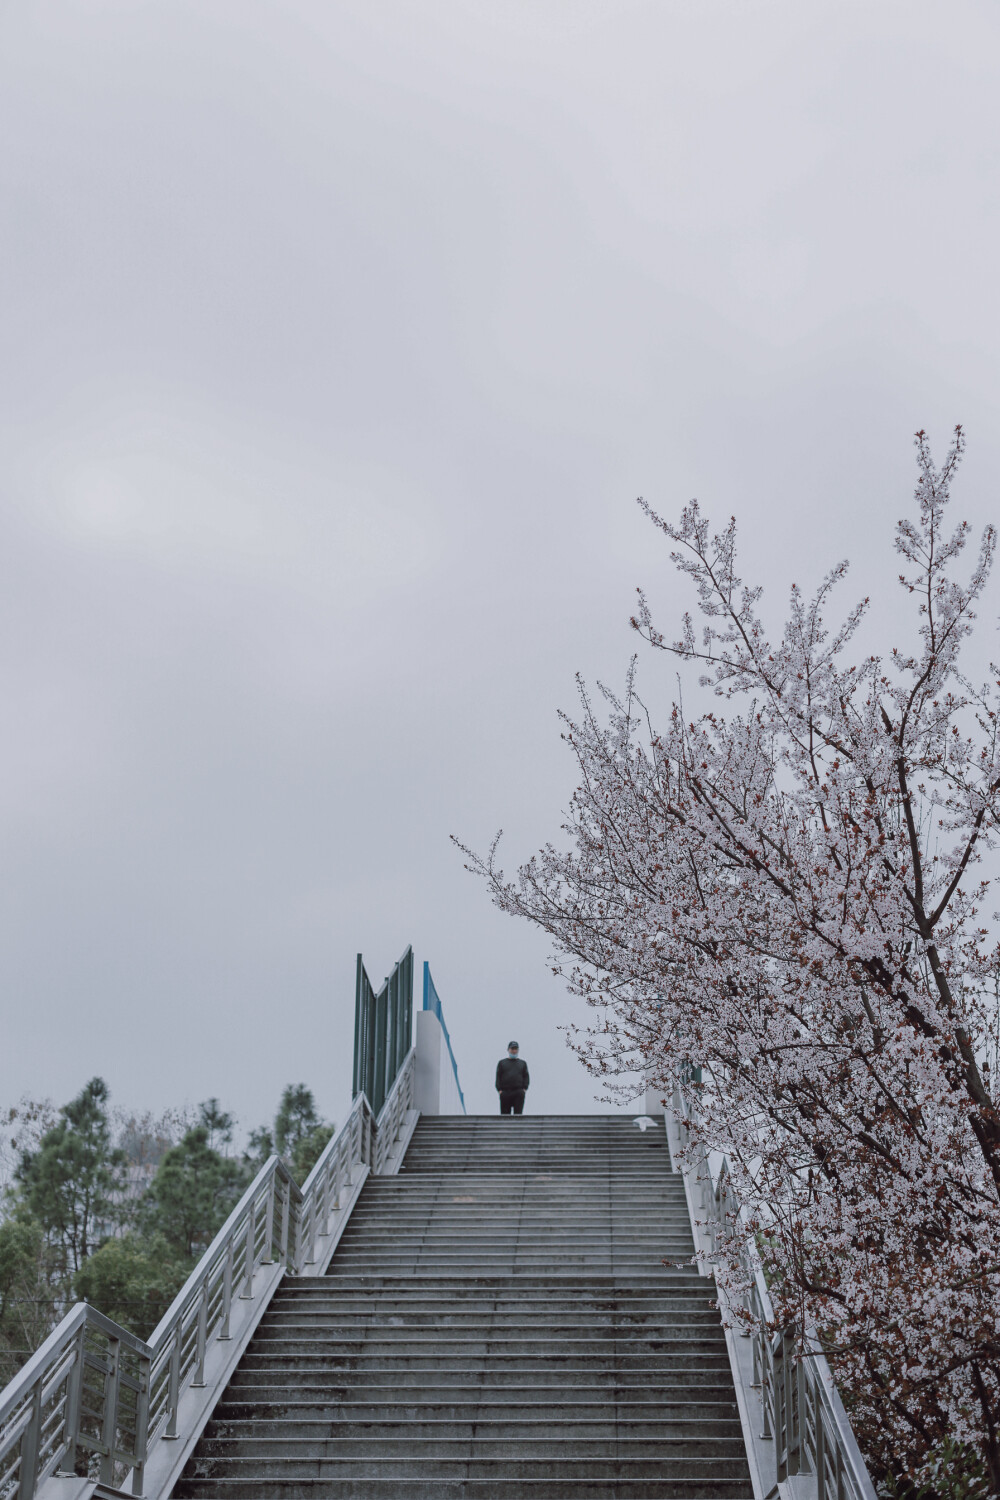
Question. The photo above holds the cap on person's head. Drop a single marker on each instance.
(512, 1047)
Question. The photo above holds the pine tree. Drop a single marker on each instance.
(73, 1182)
(296, 1118)
(192, 1193)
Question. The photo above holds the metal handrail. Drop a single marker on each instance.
(800, 1407)
(47, 1412)
(86, 1387)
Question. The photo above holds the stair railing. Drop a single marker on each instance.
(95, 1392)
(804, 1428)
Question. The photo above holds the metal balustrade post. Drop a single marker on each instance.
(248, 1266)
(793, 1375)
(325, 1198)
(801, 1417)
(298, 1217)
(174, 1382)
(286, 1212)
(201, 1336)
(109, 1414)
(820, 1455)
(268, 1258)
(30, 1441)
(783, 1409)
(312, 1233)
(227, 1292)
(338, 1179)
(74, 1397)
(762, 1353)
(142, 1422)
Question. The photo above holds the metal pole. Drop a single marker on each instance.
(359, 1017)
(202, 1336)
(174, 1382)
(286, 1213)
(247, 1293)
(109, 1417)
(74, 1394)
(29, 1445)
(141, 1422)
(267, 1258)
(227, 1291)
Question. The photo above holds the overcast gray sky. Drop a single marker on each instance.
(337, 341)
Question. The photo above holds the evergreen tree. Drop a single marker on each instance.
(192, 1193)
(218, 1124)
(132, 1280)
(21, 1244)
(31, 1295)
(308, 1150)
(259, 1147)
(73, 1183)
(296, 1118)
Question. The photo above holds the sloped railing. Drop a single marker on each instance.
(95, 1393)
(84, 1392)
(804, 1431)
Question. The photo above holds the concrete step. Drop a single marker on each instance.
(661, 1280)
(472, 1296)
(553, 1241)
(479, 1220)
(532, 1252)
(615, 1389)
(612, 1382)
(258, 1409)
(665, 1360)
(486, 1226)
(663, 1466)
(424, 1309)
(335, 1321)
(374, 1270)
(595, 1345)
(588, 1289)
(538, 1429)
(498, 1487)
(531, 1166)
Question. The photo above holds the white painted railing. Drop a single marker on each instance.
(798, 1434)
(94, 1393)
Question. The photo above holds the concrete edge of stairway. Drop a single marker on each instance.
(760, 1452)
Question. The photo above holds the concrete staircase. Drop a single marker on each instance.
(497, 1321)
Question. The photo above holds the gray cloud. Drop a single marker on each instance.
(337, 342)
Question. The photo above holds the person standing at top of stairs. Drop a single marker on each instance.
(512, 1081)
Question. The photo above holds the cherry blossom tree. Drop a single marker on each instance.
(791, 891)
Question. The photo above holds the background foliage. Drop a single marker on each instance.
(115, 1208)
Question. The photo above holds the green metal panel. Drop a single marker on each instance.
(377, 1096)
(359, 1028)
(383, 1029)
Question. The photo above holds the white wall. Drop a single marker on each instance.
(435, 1089)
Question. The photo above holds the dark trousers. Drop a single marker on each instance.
(512, 1103)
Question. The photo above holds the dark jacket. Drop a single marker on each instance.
(512, 1074)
